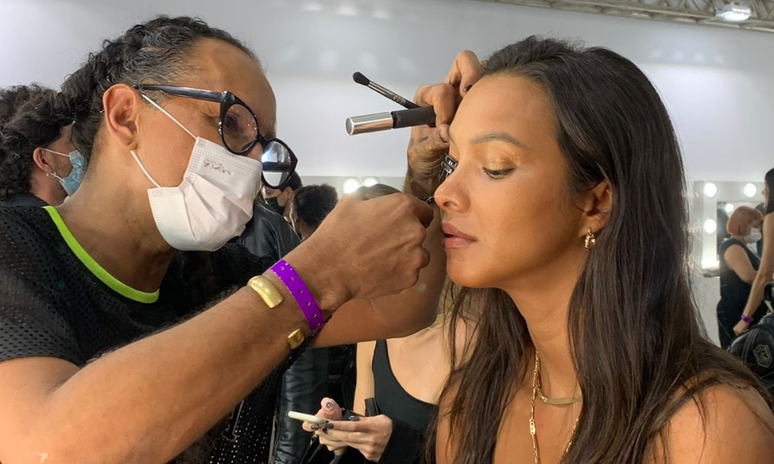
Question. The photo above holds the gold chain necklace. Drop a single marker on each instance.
(556, 401)
(532, 427)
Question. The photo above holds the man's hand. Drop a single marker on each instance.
(365, 249)
(429, 145)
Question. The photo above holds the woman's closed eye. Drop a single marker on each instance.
(498, 173)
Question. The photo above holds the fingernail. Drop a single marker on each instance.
(329, 405)
(328, 426)
(468, 87)
(354, 418)
(315, 427)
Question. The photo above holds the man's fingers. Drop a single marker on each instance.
(423, 212)
(443, 99)
(465, 71)
(429, 145)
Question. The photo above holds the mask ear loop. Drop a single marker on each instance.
(134, 153)
(144, 171)
(53, 174)
(57, 153)
(158, 107)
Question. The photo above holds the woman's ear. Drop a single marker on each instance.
(122, 106)
(597, 206)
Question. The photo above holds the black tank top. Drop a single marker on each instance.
(392, 400)
(733, 290)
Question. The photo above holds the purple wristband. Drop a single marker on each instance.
(746, 319)
(301, 294)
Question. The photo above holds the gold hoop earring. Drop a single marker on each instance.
(591, 240)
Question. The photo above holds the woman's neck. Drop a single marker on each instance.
(544, 303)
(120, 235)
(557, 370)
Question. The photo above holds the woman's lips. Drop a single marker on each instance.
(455, 238)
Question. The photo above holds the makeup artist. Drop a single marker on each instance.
(116, 342)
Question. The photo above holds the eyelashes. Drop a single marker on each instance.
(498, 174)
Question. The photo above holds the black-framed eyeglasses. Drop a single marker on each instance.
(239, 132)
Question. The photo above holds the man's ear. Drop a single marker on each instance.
(597, 206)
(122, 105)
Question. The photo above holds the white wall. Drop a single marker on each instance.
(717, 83)
(312, 47)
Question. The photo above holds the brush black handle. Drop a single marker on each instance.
(414, 117)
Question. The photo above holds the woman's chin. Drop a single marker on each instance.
(465, 275)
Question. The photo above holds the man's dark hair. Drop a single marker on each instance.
(314, 202)
(156, 51)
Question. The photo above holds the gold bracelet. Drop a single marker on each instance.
(273, 298)
(295, 339)
(266, 290)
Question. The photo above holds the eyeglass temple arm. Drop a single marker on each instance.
(187, 92)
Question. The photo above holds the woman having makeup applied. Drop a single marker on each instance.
(564, 211)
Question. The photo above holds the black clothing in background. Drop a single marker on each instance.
(734, 293)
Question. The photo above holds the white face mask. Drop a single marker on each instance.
(754, 236)
(213, 203)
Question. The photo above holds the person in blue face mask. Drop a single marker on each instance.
(38, 164)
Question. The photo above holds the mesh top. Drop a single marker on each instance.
(54, 304)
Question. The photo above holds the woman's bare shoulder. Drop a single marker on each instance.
(731, 425)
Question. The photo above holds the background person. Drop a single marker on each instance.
(738, 267)
(38, 164)
(766, 269)
(281, 200)
(405, 377)
(318, 372)
(311, 205)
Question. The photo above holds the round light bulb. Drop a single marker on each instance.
(710, 189)
(370, 181)
(710, 226)
(350, 185)
(750, 190)
(729, 208)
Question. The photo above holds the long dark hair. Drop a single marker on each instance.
(635, 334)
